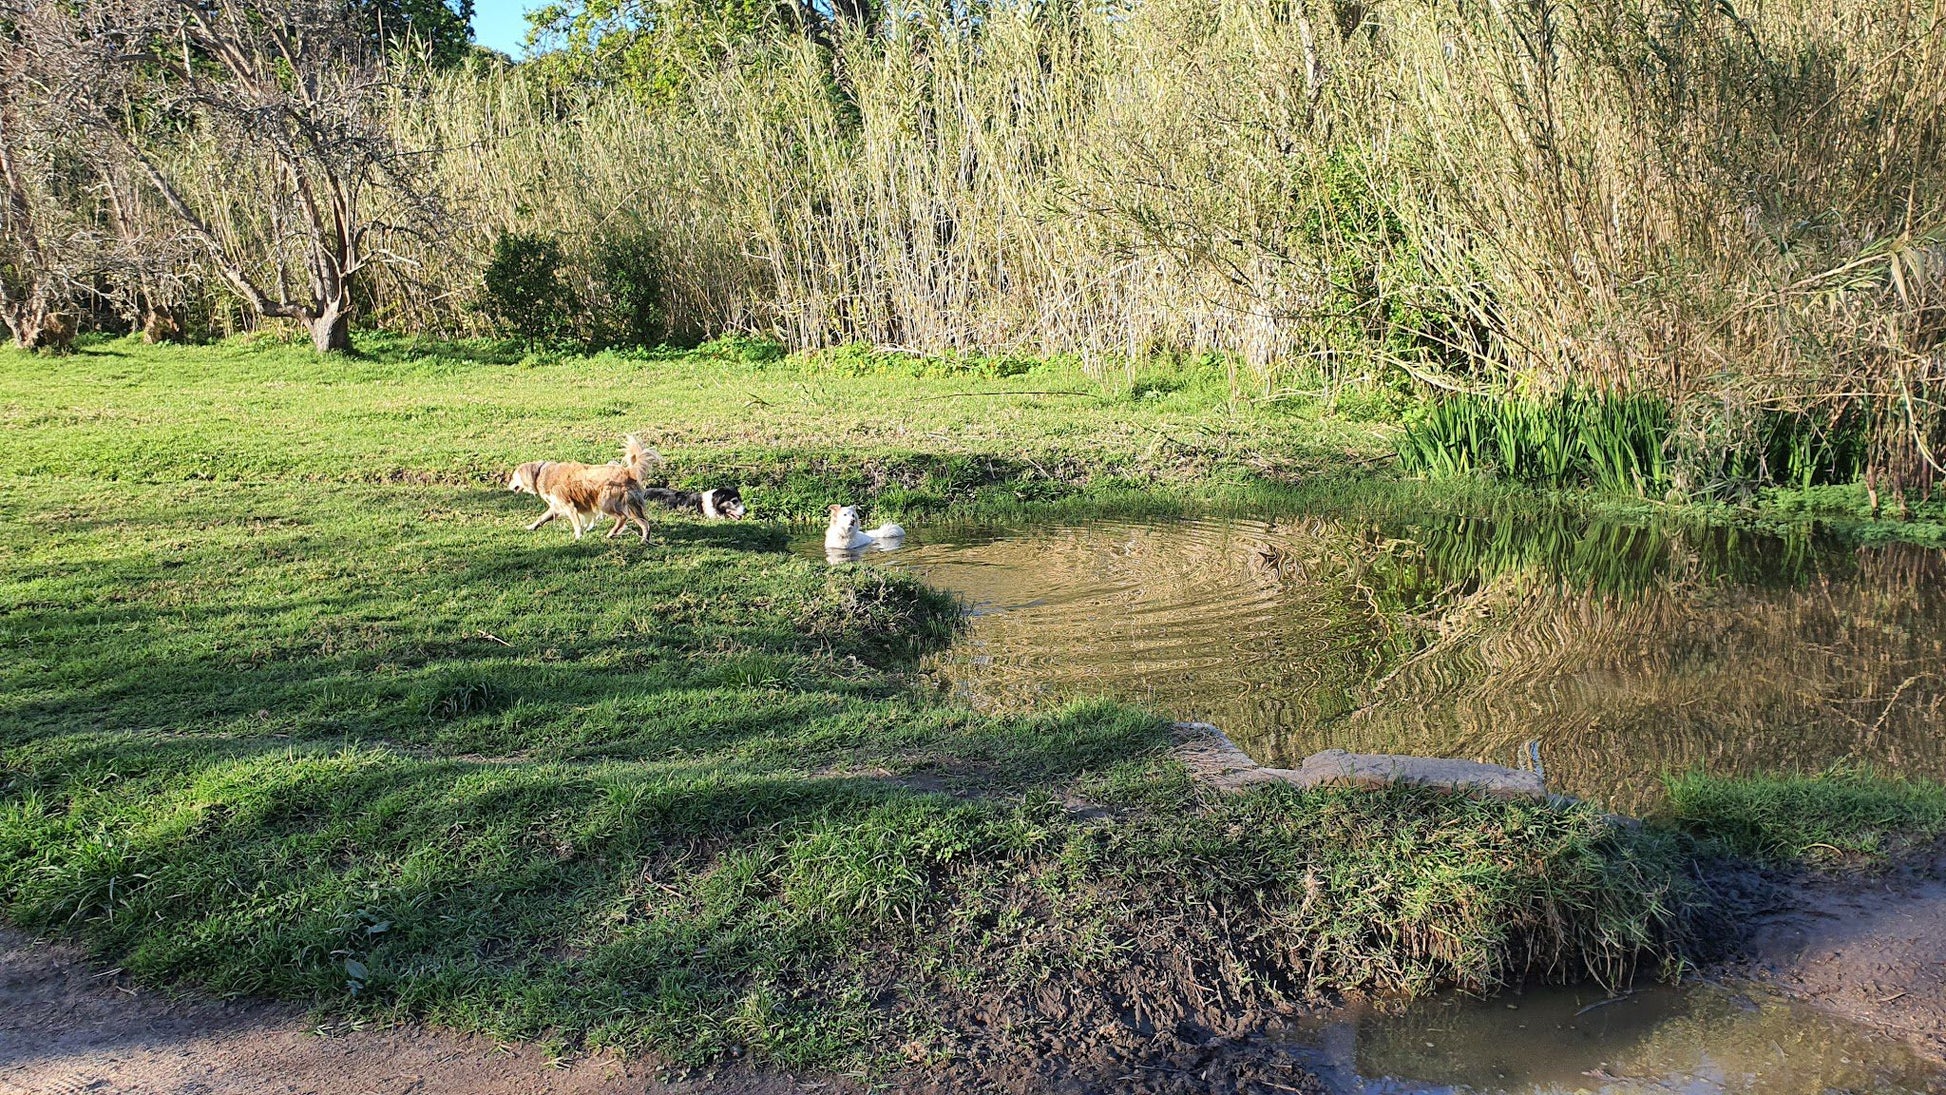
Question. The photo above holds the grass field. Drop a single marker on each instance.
(920, 436)
(294, 706)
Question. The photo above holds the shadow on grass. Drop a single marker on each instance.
(313, 871)
(353, 620)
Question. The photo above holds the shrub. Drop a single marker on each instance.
(626, 293)
(523, 291)
(745, 349)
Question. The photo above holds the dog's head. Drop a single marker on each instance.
(844, 520)
(526, 478)
(720, 502)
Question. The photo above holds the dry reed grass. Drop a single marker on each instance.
(1733, 209)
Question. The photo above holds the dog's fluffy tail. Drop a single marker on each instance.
(638, 457)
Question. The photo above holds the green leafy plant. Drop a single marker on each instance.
(626, 309)
(523, 291)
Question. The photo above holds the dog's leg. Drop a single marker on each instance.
(643, 520)
(620, 524)
(545, 518)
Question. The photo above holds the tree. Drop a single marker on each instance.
(284, 97)
(650, 46)
(444, 31)
(48, 246)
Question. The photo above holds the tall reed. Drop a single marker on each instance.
(1742, 212)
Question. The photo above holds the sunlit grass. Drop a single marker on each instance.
(1848, 817)
(294, 706)
(797, 434)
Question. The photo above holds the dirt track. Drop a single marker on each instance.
(1874, 953)
(66, 1030)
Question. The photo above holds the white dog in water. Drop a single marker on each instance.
(844, 534)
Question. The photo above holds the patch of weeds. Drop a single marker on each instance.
(1154, 387)
(743, 349)
(1368, 404)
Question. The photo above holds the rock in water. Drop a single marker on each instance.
(1213, 757)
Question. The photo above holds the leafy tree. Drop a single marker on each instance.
(649, 46)
(444, 30)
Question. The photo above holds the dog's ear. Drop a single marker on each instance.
(834, 510)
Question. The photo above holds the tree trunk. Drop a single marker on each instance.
(331, 331)
(38, 325)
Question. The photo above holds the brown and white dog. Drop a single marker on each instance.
(582, 493)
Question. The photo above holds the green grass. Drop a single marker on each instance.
(1845, 818)
(914, 436)
(291, 704)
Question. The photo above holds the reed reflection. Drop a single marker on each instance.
(1627, 651)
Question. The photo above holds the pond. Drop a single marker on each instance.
(1626, 651)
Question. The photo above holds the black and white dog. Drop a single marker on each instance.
(716, 503)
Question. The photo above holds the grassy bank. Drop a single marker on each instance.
(293, 706)
(1849, 818)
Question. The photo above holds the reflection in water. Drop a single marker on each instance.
(1627, 651)
(1703, 1039)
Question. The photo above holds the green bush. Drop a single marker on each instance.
(522, 289)
(626, 293)
(744, 349)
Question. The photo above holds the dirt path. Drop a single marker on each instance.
(1874, 953)
(66, 1029)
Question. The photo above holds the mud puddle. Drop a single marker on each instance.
(1697, 1040)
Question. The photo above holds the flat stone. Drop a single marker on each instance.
(1215, 759)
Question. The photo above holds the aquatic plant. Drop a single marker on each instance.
(1611, 442)
(1639, 444)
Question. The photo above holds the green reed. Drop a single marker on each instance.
(1611, 442)
(1632, 444)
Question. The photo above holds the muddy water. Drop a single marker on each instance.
(1625, 651)
(1696, 1041)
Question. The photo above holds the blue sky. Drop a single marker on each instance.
(501, 24)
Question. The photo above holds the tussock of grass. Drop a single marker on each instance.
(1845, 817)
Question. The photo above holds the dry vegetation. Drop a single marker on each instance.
(1738, 212)
(1657, 194)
